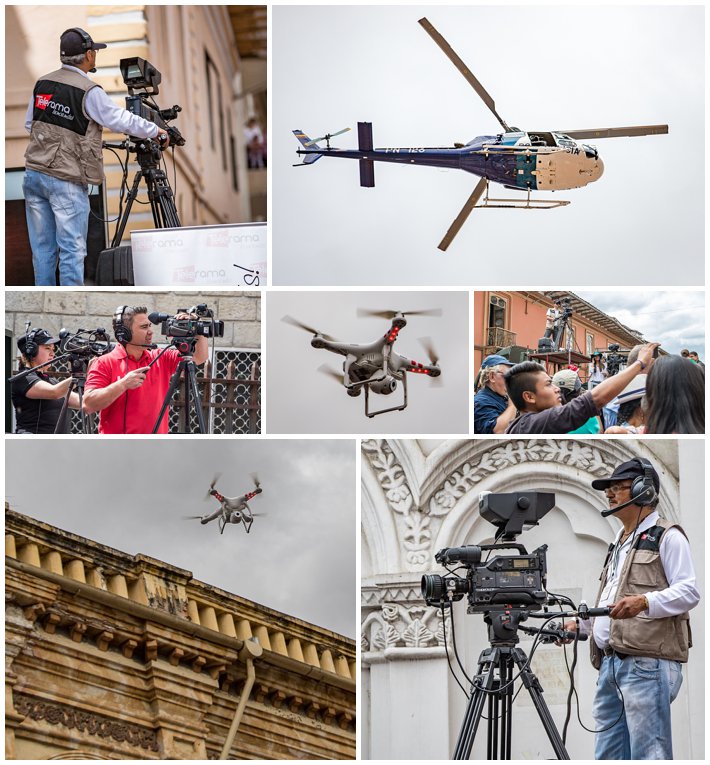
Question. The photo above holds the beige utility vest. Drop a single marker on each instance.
(64, 142)
(667, 638)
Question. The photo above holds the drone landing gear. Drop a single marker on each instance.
(403, 405)
(222, 524)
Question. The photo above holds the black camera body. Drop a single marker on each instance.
(139, 74)
(517, 581)
(204, 326)
(84, 343)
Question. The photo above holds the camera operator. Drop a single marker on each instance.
(38, 397)
(64, 118)
(648, 581)
(540, 405)
(121, 386)
(493, 411)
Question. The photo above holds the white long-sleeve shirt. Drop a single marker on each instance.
(680, 596)
(100, 108)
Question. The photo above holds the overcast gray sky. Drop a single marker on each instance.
(674, 319)
(298, 559)
(553, 67)
(300, 399)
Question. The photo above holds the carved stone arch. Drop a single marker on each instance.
(538, 465)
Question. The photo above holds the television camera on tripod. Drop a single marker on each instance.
(143, 80)
(507, 590)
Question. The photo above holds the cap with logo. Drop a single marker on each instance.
(75, 41)
(627, 470)
(38, 337)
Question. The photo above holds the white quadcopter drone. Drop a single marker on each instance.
(375, 366)
(231, 509)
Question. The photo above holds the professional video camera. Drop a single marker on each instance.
(142, 80)
(140, 75)
(189, 328)
(614, 359)
(84, 343)
(506, 580)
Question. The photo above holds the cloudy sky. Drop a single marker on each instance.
(300, 399)
(298, 559)
(553, 67)
(674, 319)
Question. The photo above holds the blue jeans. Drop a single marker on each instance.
(644, 730)
(58, 221)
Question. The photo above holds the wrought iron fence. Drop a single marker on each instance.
(230, 395)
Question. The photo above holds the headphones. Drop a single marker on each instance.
(86, 41)
(121, 332)
(31, 345)
(643, 492)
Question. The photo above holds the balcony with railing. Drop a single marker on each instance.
(497, 338)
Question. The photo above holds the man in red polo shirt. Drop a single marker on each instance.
(120, 385)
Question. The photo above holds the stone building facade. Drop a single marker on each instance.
(113, 656)
(419, 496)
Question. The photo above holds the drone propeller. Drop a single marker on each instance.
(215, 478)
(330, 372)
(618, 132)
(361, 312)
(466, 210)
(326, 137)
(311, 330)
(465, 71)
(258, 515)
(255, 478)
(190, 517)
(430, 351)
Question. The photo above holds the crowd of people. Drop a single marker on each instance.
(649, 395)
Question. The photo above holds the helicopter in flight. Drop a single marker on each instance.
(375, 366)
(232, 509)
(521, 160)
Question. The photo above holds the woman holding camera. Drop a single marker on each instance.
(37, 397)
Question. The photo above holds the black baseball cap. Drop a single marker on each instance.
(627, 470)
(72, 42)
(41, 337)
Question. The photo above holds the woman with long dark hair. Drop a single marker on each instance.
(675, 396)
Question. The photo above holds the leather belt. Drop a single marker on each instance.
(611, 652)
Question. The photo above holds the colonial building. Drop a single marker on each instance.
(419, 496)
(516, 321)
(113, 656)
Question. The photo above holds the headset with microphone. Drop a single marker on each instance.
(31, 344)
(87, 43)
(643, 492)
(122, 333)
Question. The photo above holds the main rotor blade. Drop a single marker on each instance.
(361, 312)
(465, 71)
(619, 132)
(461, 217)
(312, 330)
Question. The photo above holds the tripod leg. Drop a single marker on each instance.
(174, 380)
(65, 406)
(482, 682)
(534, 688)
(132, 194)
(191, 374)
